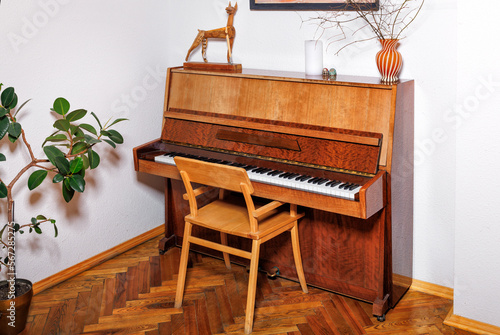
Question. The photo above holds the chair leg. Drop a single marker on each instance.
(297, 257)
(252, 286)
(223, 240)
(181, 280)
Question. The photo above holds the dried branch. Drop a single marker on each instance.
(389, 22)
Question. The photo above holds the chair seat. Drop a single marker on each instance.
(231, 217)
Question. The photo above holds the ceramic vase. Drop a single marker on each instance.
(389, 61)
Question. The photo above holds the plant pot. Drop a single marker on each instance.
(14, 312)
(389, 61)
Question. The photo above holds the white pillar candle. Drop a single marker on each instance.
(314, 57)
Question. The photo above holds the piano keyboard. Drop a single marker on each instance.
(334, 188)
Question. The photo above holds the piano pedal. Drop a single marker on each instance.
(272, 274)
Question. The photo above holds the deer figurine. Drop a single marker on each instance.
(226, 32)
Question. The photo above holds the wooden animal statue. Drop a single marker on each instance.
(226, 32)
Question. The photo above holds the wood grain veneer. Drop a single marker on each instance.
(358, 248)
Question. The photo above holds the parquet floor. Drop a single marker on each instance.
(134, 294)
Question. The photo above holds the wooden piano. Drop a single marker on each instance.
(340, 149)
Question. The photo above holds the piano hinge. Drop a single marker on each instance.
(273, 159)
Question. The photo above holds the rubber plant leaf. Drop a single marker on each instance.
(61, 106)
(36, 178)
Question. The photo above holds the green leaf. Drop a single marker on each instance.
(3, 190)
(86, 163)
(36, 178)
(2, 158)
(8, 97)
(61, 106)
(62, 165)
(77, 132)
(95, 116)
(52, 152)
(12, 138)
(15, 129)
(62, 124)
(91, 140)
(111, 143)
(94, 159)
(34, 221)
(78, 148)
(21, 107)
(56, 138)
(82, 171)
(88, 128)
(76, 115)
(76, 165)
(55, 230)
(113, 136)
(58, 178)
(4, 126)
(77, 183)
(37, 229)
(67, 193)
(16, 227)
(116, 121)
(3, 111)
(41, 217)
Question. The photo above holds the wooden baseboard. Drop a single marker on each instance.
(469, 325)
(438, 290)
(96, 260)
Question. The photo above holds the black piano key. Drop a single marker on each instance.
(322, 181)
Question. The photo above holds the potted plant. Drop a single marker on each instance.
(70, 152)
(387, 25)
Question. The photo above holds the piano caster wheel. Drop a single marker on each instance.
(272, 274)
(275, 272)
(381, 318)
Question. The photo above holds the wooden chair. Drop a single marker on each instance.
(229, 217)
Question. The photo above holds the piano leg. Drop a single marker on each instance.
(169, 241)
(380, 307)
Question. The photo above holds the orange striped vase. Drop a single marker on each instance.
(389, 61)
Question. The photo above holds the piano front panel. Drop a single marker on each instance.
(363, 107)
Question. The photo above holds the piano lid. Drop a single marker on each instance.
(294, 143)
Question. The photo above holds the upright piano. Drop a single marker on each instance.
(341, 149)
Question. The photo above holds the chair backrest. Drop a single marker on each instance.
(217, 175)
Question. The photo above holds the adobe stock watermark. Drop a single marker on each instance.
(11, 275)
(455, 117)
(32, 24)
(153, 78)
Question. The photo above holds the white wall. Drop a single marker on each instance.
(477, 252)
(101, 55)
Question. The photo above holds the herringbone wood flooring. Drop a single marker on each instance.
(134, 294)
